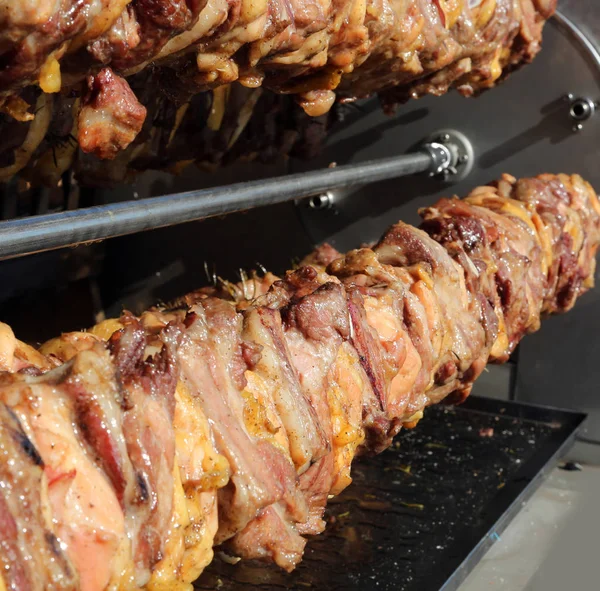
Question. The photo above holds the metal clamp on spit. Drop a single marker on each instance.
(451, 153)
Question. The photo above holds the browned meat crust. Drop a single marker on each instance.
(315, 51)
(291, 382)
(110, 116)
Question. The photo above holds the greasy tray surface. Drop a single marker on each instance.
(420, 515)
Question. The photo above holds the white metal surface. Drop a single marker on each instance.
(552, 543)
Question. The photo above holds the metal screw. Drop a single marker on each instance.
(463, 159)
(445, 137)
(582, 109)
(322, 201)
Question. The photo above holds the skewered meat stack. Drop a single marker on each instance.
(162, 83)
(129, 451)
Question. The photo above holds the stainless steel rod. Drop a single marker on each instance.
(47, 232)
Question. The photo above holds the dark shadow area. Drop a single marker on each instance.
(158, 266)
(48, 293)
(554, 126)
(373, 201)
(344, 150)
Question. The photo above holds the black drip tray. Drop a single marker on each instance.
(419, 516)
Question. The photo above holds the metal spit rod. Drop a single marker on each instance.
(69, 228)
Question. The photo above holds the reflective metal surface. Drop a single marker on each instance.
(46, 232)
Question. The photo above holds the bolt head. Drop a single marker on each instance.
(322, 201)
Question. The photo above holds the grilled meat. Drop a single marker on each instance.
(110, 117)
(128, 451)
(169, 51)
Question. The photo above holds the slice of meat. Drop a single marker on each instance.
(567, 224)
(99, 416)
(454, 225)
(307, 442)
(31, 556)
(199, 472)
(122, 37)
(148, 386)
(379, 429)
(90, 523)
(128, 422)
(521, 271)
(158, 21)
(378, 303)
(110, 117)
(67, 345)
(271, 536)
(316, 324)
(478, 227)
(31, 31)
(348, 387)
(212, 367)
(275, 495)
(321, 257)
(367, 344)
(463, 342)
(186, 536)
(375, 299)
(384, 312)
(274, 533)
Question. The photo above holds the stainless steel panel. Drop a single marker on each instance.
(559, 365)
